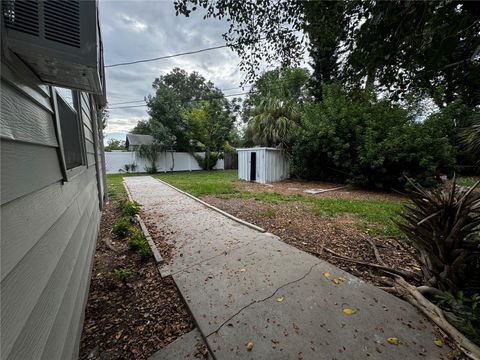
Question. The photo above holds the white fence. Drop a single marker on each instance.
(182, 161)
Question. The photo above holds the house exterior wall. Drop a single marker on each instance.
(183, 161)
(271, 165)
(49, 226)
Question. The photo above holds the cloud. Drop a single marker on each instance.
(137, 29)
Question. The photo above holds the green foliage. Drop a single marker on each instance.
(274, 105)
(139, 244)
(114, 144)
(176, 93)
(463, 312)
(354, 137)
(400, 46)
(443, 224)
(269, 212)
(130, 167)
(142, 128)
(123, 275)
(210, 124)
(208, 161)
(149, 153)
(122, 227)
(130, 208)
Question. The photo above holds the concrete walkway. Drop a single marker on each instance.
(255, 297)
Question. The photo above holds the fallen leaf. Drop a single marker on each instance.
(243, 270)
(249, 345)
(279, 299)
(327, 275)
(348, 311)
(438, 342)
(119, 335)
(393, 340)
(338, 280)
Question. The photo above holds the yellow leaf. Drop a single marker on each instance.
(393, 340)
(243, 270)
(438, 342)
(119, 335)
(348, 311)
(280, 299)
(338, 280)
(249, 345)
(327, 275)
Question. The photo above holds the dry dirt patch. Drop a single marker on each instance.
(292, 187)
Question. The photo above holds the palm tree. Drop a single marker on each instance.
(470, 138)
(274, 121)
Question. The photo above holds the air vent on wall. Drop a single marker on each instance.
(58, 39)
(62, 22)
(21, 15)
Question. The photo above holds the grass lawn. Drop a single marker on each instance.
(467, 181)
(375, 215)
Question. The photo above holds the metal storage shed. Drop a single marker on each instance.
(262, 165)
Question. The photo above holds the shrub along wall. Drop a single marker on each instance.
(355, 138)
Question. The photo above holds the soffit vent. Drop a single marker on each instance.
(62, 21)
(22, 16)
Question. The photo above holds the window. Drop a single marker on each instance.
(68, 119)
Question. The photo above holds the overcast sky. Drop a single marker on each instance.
(137, 29)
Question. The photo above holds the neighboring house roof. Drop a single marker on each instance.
(136, 139)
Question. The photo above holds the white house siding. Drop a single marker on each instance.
(271, 165)
(183, 161)
(49, 227)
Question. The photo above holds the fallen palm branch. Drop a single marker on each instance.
(401, 272)
(435, 314)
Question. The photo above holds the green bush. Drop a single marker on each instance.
(122, 275)
(443, 224)
(130, 208)
(202, 161)
(139, 244)
(355, 138)
(151, 169)
(122, 227)
(463, 312)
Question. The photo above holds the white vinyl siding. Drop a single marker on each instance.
(49, 226)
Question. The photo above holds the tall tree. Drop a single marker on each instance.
(210, 123)
(274, 104)
(175, 93)
(400, 46)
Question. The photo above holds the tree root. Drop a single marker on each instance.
(376, 252)
(435, 314)
(404, 273)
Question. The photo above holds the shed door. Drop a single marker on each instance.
(253, 166)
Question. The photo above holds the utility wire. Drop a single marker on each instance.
(218, 97)
(166, 56)
(135, 101)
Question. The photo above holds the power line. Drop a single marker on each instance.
(136, 106)
(135, 101)
(127, 102)
(166, 56)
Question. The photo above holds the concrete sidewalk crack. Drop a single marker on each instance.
(211, 258)
(264, 299)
